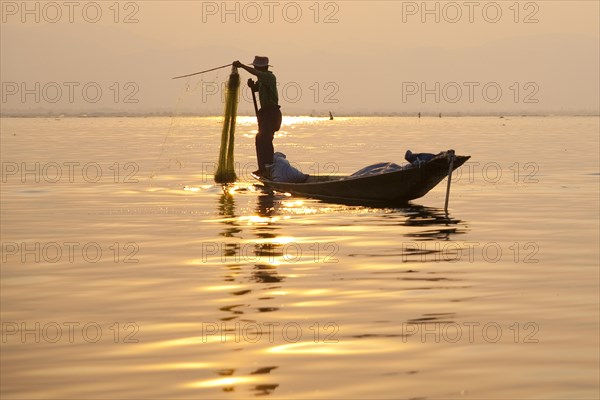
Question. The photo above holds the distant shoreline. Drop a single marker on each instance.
(347, 115)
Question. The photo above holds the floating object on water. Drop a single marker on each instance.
(225, 170)
(396, 187)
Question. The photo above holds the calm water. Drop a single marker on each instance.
(126, 273)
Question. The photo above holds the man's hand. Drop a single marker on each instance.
(250, 83)
(237, 64)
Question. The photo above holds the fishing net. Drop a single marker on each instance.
(190, 152)
(189, 129)
(225, 170)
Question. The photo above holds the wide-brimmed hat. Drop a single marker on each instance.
(261, 61)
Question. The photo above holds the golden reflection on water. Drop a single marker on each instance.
(335, 348)
(175, 366)
(223, 382)
(214, 325)
(257, 220)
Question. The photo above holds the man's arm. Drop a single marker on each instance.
(251, 70)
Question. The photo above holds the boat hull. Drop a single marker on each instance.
(397, 186)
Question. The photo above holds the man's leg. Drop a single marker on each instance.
(267, 121)
(264, 149)
(273, 124)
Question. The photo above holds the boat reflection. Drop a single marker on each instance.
(441, 225)
(419, 224)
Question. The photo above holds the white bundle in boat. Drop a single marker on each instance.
(282, 171)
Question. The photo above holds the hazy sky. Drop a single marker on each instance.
(344, 56)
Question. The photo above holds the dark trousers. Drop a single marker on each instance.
(269, 122)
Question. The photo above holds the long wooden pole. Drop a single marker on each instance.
(254, 100)
(201, 72)
(450, 169)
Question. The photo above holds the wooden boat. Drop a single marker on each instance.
(390, 187)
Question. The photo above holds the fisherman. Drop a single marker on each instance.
(269, 114)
